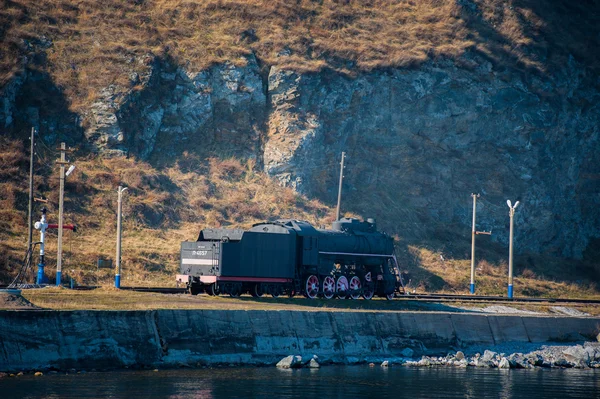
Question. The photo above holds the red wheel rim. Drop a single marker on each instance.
(328, 287)
(341, 286)
(355, 286)
(312, 286)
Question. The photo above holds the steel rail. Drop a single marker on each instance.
(415, 296)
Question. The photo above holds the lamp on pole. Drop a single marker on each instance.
(118, 257)
(510, 247)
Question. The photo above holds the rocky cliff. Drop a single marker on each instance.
(419, 140)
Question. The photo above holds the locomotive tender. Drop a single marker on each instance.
(292, 257)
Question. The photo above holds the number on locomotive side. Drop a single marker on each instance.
(199, 253)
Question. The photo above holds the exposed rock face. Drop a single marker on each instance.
(221, 109)
(419, 141)
(7, 108)
(33, 100)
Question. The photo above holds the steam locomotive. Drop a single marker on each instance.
(292, 257)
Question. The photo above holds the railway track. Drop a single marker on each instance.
(481, 298)
(414, 297)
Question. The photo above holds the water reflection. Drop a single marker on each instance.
(327, 382)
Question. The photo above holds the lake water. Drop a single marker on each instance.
(344, 382)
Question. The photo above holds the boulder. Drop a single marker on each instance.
(518, 361)
(562, 362)
(489, 355)
(459, 355)
(424, 362)
(313, 364)
(593, 350)
(481, 362)
(385, 363)
(290, 362)
(534, 359)
(577, 355)
(504, 363)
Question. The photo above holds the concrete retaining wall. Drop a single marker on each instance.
(106, 339)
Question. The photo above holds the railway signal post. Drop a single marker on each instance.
(42, 225)
(510, 247)
(118, 255)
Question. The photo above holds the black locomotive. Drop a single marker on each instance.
(292, 257)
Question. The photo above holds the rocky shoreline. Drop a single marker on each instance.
(581, 356)
(548, 356)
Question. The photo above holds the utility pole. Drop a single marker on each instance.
(30, 213)
(339, 200)
(61, 163)
(474, 232)
(118, 257)
(510, 248)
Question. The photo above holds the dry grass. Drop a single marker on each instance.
(161, 209)
(437, 271)
(89, 45)
(112, 299)
(166, 206)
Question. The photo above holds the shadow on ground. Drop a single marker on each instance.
(396, 305)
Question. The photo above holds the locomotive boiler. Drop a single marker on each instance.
(351, 259)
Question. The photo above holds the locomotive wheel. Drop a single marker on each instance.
(311, 288)
(368, 291)
(389, 297)
(195, 289)
(275, 291)
(213, 289)
(235, 291)
(355, 287)
(341, 287)
(256, 291)
(328, 287)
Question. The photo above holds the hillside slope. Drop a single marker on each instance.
(227, 112)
